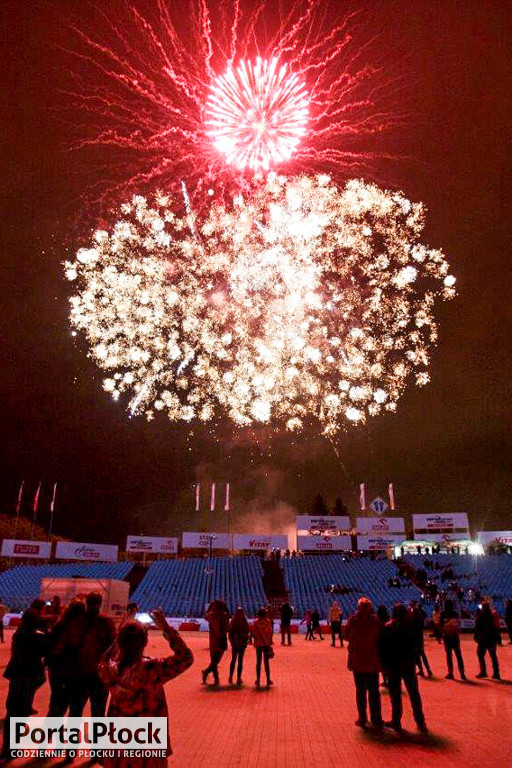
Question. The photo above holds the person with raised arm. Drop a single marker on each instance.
(136, 682)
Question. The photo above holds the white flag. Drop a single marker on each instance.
(35, 505)
(362, 498)
(20, 497)
(226, 505)
(52, 505)
(198, 496)
(212, 499)
(391, 494)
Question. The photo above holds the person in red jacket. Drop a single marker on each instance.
(363, 633)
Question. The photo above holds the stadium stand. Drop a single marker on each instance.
(491, 575)
(22, 584)
(180, 587)
(307, 577)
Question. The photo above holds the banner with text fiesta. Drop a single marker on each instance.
(22, 548)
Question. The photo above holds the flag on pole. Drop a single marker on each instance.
(226, 505)
(52, 505)
(20, 497)
(198, 496)
(362, 497)
(35, 505)
(391, 494)
(52, 508)
(212, 499)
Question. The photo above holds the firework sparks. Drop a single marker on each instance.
(212, 95)
(304, 301)
(257, 114)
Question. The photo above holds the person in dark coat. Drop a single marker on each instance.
(217, 617)
(450, 627)
(286, 620)
(508, 619)
(418, 617)
(362, 633)
(99, 634)
(315, 623)
(239, 632)
(62, 658)
(486, 636)
(383, 617)
(25, 672)
(398, 656)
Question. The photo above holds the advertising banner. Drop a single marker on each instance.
(22, 548)
(374, 542)
(259, 541)
(324, 543)
(428, 524)
(381, 525)
(440, 538)
(494, 537)
(161, 545)
(317, 526)
(192, 540)
(72, 550)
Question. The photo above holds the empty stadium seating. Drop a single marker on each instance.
(307, 577)
(180, 587)
(22, 584)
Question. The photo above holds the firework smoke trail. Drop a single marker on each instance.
(302, 302)
(143, 84)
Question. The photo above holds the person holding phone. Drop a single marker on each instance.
(136, 682)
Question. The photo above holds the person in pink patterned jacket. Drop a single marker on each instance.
(136, 682)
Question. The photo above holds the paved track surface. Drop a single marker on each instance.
(307, 718)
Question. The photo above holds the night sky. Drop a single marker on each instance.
(448, 447)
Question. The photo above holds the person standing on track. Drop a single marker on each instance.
(398, 654)
(315, 624)
(486, 636)
(286, 620)
(262, 632)
(335, 618)
(450, 627)
(362, 633)
(218, 620)
(239, 632)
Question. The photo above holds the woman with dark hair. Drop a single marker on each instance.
(239, 631)
(25, 671)
(62, 658)
(262, 632)
(136, 682)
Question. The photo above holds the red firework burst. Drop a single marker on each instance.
(209, 92)
(256, 114)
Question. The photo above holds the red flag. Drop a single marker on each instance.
(362, 497)
(212, 499)
(20, 497)
(226, 505)
(198, 496)
(35, 504)
(391, 494)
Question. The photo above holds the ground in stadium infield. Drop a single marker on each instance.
(307, 718)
